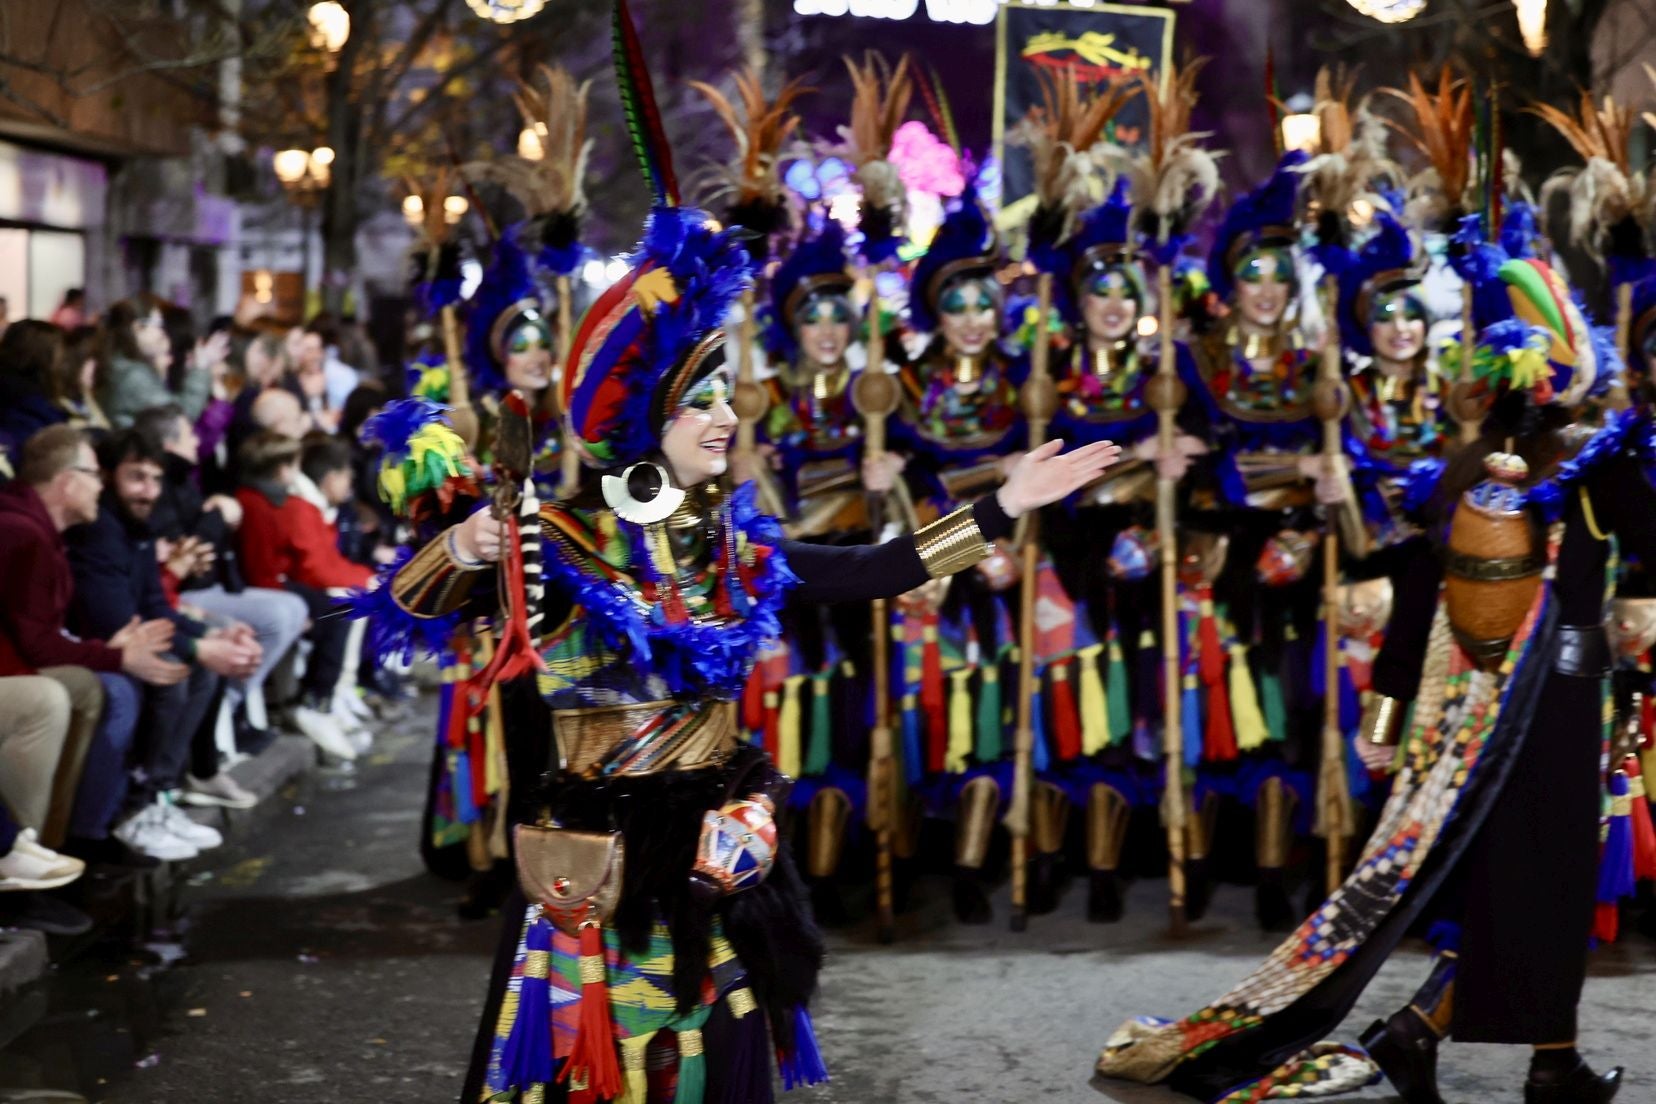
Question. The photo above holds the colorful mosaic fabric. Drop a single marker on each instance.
(947, 417)
(1455, 714)
(1326, 1069)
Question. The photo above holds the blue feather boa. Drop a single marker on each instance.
(393, 632)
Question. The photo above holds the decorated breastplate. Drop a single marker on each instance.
(816, 414)
(1277, 391)
(1106, 386)
(1399, 420)
(966, 407)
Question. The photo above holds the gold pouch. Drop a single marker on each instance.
(575, 876)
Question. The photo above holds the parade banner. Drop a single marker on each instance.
(1095, 43)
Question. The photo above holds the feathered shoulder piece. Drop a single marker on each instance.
(1350, 162)
(1611, 204)
(1059, 133)
(881, 94)
(751, 185)
(964, 243)
(1440, 125)
(424, 464)
(434, 260)
(1264, 216)
(817, 265)
(1176, 177)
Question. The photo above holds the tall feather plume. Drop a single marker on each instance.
(1441, 129)
(555, 108)
(1059, 133)
(937, 103)
(881, 94)
(638, 102)
(1609, 202)
(762, 129)
(1351, 162)
(1176, 177)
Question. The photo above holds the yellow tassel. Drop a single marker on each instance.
(1246, 716)
(1095, 706)
(787, 727)
(960, 720)
(634, 1070)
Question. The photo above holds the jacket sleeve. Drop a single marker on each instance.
(1402, 657)
(136, 387)
(35, 627)
(317, 560)
(859, 573)
(104, 597)
(194, 391)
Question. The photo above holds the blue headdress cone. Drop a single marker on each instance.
(1273, 203)
(1388, 250)
(821, 254)
(965, 234)
(507, 280)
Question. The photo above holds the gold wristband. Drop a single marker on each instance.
(1382, 723)
(951, 544)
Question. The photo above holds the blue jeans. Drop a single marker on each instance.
(104, 779)
(8, 832)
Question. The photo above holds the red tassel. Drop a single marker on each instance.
(1066, 714)
(477, 758)
(1219, 738)
(1644, 832)
(933, 702)
(515, 655)
(593, 1071)
(753, 701)
(1606, 921)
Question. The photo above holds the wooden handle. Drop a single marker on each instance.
(1173, 797)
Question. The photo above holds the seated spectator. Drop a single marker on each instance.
(264, 365)
(71, 313)
(74, 385)
(279, 411)
(310, 372)
(34, 722)
(339, 377)
(117, 578)
(286, 542)
(57, 486)
(30, 355)
(208, 577)
(137, 358)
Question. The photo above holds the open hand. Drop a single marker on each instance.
(1047, 474)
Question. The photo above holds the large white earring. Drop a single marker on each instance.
(642, 494)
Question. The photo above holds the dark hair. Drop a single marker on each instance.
(321, 453)
(129, 446)
(73, 295)
(29, 354)
(360, 405)
(118, 321)
(326, 326)
(157, 423)
(265, 453)
(79, 346)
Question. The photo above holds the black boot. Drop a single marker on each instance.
(1577, 1084)
(1272, 907)
(1045, 884)
(1405, 1049)
(828, 903)
(971, 899)
(1104, 897)
(1198, 889)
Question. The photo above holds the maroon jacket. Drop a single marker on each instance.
(35, 590)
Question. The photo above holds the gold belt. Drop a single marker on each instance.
(645, 737)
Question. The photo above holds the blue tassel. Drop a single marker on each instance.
(465, 811)
(1319, 660)
(1037, 721)
(802, 1064)
(526, 1055)
(914, 760)
(1190, 719)
(1616, 861)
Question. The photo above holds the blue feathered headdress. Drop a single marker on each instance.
(1104, 238)
(1520, 230)
(435, 277)
(964, 243)
(1386, 262)
(506, 296)
(816, 265)
(1265, 214)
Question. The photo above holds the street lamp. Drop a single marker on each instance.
(1532, 24)
(330, 26)
(1389, 11)
(531, 144)
(506, 11)
(305, 175)
(1301, 131)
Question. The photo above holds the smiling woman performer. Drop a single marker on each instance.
(660, 947)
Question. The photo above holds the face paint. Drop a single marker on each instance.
(712, 391)
(1396, 306)
(826, 309)
(969, 316)
(528, 337)
(1111, 283)
(1397, 326)
(1110, 305)
(966, 297)
(1261, 265)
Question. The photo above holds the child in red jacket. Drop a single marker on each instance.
(286, 542)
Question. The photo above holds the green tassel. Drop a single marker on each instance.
(1276, 710)
(1118, 705)
(692, 1071)
(816, 756)
(989, 741)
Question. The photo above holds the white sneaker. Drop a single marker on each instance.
(220, 790)
(31, 866)
(178, 822)
(350, 702)
(359, 734)
(144, 832)
(324, 732)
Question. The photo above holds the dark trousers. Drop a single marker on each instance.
(105, 780)
(329, 636)
(167, 729)
(8, 831)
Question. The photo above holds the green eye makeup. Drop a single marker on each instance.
(1396, 306)
(832, 309)
(1270, 264)
(966, 298)
(529, 337)
(1111, 284)
(707, 395)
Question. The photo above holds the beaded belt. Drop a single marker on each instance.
(645, 737)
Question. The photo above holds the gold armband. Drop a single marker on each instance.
(1382, 723)
(436, 580)
(950, 544)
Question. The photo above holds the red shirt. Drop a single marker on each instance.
(286, 539)
(36, 587)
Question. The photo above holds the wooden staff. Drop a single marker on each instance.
(875, 397)
(1470, 423)
(1040, 399)
(1166, 394)
(570, 468)
(461, 413)
(1331, 397)
(750, 402)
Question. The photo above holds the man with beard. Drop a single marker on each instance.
(117, 578)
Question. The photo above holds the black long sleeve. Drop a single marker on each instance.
(859, 573)
(1402, 656)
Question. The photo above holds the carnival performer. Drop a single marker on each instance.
(958, 424)
(661, 948)
(1254, 508)
(1497, 638)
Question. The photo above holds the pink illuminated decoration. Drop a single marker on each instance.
(925, 163)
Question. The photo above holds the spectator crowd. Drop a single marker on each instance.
(180, 512)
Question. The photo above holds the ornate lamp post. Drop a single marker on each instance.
(506, 11)
(304, 175)
(1389, 11)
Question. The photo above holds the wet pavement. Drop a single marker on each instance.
(316, 961)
